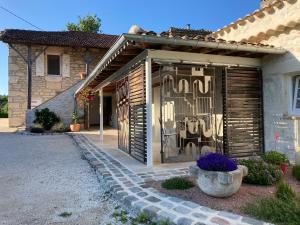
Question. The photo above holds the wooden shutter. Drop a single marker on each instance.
(137, 123)
(40, 65)
(65, 65)
(243, 112)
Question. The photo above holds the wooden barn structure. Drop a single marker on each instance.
(179, 96)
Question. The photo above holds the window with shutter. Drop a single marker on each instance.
(40, 65)
(53, 64)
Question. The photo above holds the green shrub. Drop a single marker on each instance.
(275, 211)
(3, 106)
(275, 158)
(36, 128)
(296, 172)
(285, 192)
(177, 183)
(46, 118)
(261, 173)
(278, 210)
(59, 128)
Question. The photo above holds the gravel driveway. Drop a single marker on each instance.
(44, 176)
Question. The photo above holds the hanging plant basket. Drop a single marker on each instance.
(90, 97)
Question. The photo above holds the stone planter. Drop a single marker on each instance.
(219, 184)
(75, 127)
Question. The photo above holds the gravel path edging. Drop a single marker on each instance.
(127, 188)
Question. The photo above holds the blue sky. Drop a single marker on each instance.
(117, 16)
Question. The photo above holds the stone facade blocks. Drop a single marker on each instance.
(44, 86)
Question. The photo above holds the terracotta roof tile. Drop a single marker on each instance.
(58, 38)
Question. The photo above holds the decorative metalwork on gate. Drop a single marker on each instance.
(122, 96)
(188, 118)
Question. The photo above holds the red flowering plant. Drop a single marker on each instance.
(86, 95)
(216, 162)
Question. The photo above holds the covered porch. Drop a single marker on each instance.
(177, 99)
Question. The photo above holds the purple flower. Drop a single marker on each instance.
(216, 162)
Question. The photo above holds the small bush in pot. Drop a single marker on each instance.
(217, 175)
(75, 126)
(36, 128)
(46, 118)
(260, 172)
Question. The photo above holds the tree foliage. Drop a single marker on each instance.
(89, 23)
(3, 106)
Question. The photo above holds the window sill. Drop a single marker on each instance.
(53, 77)
(292, 116)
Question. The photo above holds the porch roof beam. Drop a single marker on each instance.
(121, 72)
(181, 57)
(207, 59)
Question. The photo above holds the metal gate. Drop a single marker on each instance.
(188, 121)
(243, 112)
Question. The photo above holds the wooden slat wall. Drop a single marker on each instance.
(137, 127)
(242, 108)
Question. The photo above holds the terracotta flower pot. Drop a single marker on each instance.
(75, 127)
(283, 167)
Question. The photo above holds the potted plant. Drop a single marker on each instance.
(75, 126)
(217, 175)
(278, 159)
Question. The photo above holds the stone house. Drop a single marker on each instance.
(59, 60)
(185, 92)
(182, 93)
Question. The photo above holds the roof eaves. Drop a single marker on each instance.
(248, 16)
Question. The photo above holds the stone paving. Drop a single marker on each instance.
(130, 189)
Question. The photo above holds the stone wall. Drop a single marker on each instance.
(278, 72)
(44, 86)
(63, 105)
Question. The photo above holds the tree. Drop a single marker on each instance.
(3, 106)
(88, 23)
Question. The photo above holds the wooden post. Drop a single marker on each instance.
(148, 71)
(101, 114)
(29, 60)
(29, 76)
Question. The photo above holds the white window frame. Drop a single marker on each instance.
(294, 89)
(60, 63)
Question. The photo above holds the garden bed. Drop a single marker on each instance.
(246, 194)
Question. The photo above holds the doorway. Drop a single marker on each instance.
(107, 111)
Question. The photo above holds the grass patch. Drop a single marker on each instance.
(296, 172)
(142, 218)
(65, 214)
(283, 209)
(177, 183)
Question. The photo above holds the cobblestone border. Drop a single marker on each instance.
(25, 132)
(128, 188)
